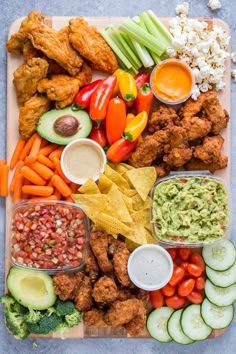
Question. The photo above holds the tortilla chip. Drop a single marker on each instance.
(141, 217)
(116, 178)
(91, 203)
(111, 225)
(131, 245)
(139, 204)
(142, 179)
(137, 234)
(150, 238)
(129, 192)
(117, 205)
(121, 168)
(128, 203)
(104, 183)
(89, 187)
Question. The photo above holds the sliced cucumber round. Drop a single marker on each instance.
(219, 255)
(175, 330)
(157, 324)
(220, 296)
(216, 317)
(224, 278)
(193, 325)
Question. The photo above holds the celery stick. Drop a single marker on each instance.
(143, 53)
(162, 28)
(129, 42)
(152, 28)
(115, 49)
(142, 37)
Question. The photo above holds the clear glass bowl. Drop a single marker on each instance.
(165, 242)
(48, 235)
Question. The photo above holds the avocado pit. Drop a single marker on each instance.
(66, 125)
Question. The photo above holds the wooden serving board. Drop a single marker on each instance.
(13, 63)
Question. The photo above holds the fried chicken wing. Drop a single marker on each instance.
(120, 261)
(198, 165)
(91, 266)
(196, 127)
(30, 113)
(27, 77)
(105, 290)
(83, 297)
(162, 118)
(178, 157)
(122, 312)
(64, 285)
(209, 151)
(94, 318)
(137, 324)
(91, 46)
(99, 245)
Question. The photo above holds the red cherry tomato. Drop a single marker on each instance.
(186, 287)
(156, 298)
(177, 276)
(184, 265)
(200, 283)
(184, 253)
(168, 290)
(195, 297)
(197, 259)
(172, 252)
(194, 270)
(175, 302)
(98, 135)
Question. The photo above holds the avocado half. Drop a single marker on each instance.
(31, 288)
(46, 124)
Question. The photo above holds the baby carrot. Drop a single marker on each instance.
(45, 161)
(27, 147)
(32, 176)
(16, 153)
(2, 163)
(19, 165)
(46, 150)
(56, 153)
(74, 187)
(34, 150)
(42, 191)
(69, 199)
(41, 170)
(57, 165)
(4, 181)
(17, 193)
(61, 186)
(49, 184)
(51, 197)
(57, 194)
(44, 142)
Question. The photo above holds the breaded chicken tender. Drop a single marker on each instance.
(138, 322)
(94, 318)
(91, 266)
(105, 290)
(196, 127)
(83, 296)
(122, 312)
(162, 118)
(99, 245)
(198, 165)
(120, 261)
(90, 45)
(209, 152)
(64, 285)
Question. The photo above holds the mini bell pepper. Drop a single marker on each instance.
(100, 98)
(136, 126)
(141, 79)
(120, 150)
(98, 135)
(117, 74)
(144, 99)
(127, 87)
(115, 119)
(83, 97)
(129, 117)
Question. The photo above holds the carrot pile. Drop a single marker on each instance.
(37, 172)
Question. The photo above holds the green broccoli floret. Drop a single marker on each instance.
(46, 324)
(64, 308)
(51, 310)
(19, 308)
(33, 316)
(8, 301)
(74, 318)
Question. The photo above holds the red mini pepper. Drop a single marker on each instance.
(141, 79)
(121, 149)
(144, 99)
(115, 119)
(98, 135)
(83, 97)
(101, 97)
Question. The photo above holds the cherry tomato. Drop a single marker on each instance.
(177, 276)
(195, 297)
(172, 252)
(168, 290)
(200, 283)
(197, 259)
(184, 265)
(186, 287)
(194, 270)
(156, 298)
(98, 135)
(175, 302)
(184, 253)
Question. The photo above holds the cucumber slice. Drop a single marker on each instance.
(193, 325)
(217, 317)
(157, 324)
(220, 296)
(175, 330)
(224, 278)
(220, 255)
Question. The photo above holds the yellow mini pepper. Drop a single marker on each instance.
(127, 86)
(136, 126)
(117, 74)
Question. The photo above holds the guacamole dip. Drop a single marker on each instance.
(191, 209)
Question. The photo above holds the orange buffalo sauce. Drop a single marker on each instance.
(172, 81)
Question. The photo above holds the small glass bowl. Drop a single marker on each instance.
(51, 236)
(157, 67)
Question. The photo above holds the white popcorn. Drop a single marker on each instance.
(178, 42)
(214, 4)
(220, 86)
(182, 8)
(195, 92)
(233, 74)
(171, 52)
(233, 57)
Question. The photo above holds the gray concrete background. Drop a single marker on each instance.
(9, 11)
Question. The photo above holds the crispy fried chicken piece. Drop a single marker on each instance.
(120, 261)
(124, 294)
(64, 285)
(91, 46)
(114, 244)
(196, 127)
(178, 138)
(162, 118)
(29, 52)
(94, 318)
(138, 322)
(162, 170)
(30, 113)
(60, 88)
(209, 151)
(99, 245)
(105, 290)
(27, 77)
(198, 165)
(178, 157)
(143, 296)
(83, 297)
(91, 266)
(192, 108)
(85, 75)
(122, 312)
(149, 149)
